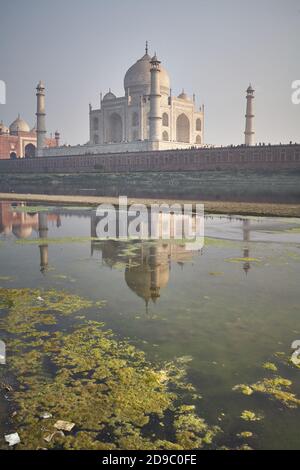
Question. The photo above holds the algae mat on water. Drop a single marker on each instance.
(115, 397)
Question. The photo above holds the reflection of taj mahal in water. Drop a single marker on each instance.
(146, 265)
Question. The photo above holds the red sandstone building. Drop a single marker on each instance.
(19, 141)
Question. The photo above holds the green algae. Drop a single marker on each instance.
(245, 434)
(29, 308)
(87, 376)
(243, 260)
(31, 209)
(248, 415)
(276, 388)
(54, 241)
(219, 242)
(270, 366)
(245, 389)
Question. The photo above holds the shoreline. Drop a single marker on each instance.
(212, 207)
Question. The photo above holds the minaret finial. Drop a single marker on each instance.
(146, 48)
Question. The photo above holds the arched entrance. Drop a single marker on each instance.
(198, 139)
(29, 151)
(13, 156)
(183, 128)
(165, 136)
(115, 128)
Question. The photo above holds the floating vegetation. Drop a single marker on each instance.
(63, 277)
(245, 434)
(51, 241)
(250, 416)
(220, 242)
(243, 260)
(216, 274)
(293, 255)
(30, 308)
(30, 209)
(245, 389)
(270, 366)
(6, 278)
(121, 266)
(277, 388)
(96, 391)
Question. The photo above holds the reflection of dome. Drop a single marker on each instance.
(19, 125)
(146, 282)
(138, 77)
(22, 231)
(3, 128)
(109, 96)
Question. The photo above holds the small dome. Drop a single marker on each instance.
(22, 231)
(138, 77)
(183, 96)
(250, 89)
(3, 128)
(109, 96)
(19, 125)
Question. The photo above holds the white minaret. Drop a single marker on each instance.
(155, 111)
(40, 118)
(249, 130)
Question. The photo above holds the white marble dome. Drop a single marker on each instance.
(19, 125)
(138, 77)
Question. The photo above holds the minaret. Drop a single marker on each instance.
(249, 130)
(57, 138)
(155, 111)
(40, 118)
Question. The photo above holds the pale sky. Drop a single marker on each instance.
(212, 48)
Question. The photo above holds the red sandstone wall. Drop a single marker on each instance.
(8, 144)
(258, 157)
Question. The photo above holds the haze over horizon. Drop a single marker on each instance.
(210, 48)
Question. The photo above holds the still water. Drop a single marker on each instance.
(226, 315)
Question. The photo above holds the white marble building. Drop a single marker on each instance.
(148, 116)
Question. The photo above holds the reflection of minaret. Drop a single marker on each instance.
(246, 238)
(154, 265)
(43, 234)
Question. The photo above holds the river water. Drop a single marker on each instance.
(230, 311)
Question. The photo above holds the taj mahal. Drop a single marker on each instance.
(147, 118)
(147, 113)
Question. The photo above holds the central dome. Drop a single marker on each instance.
(138, 78)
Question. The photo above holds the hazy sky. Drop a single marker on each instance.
(212, 48)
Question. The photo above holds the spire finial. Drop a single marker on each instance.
(146, 48)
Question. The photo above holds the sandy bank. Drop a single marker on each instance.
(214, 207)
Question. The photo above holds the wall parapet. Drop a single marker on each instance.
(264, 157)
